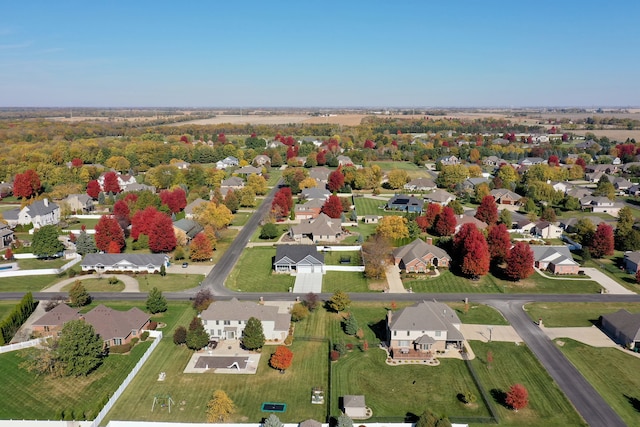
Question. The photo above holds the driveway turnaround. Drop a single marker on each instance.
(308, 282)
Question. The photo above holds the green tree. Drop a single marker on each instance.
(351, 325)
(452, 175)
(339, 301)
(197, 337)
(506, 218)
(78, 295)
(605, 189)
(253, 334)
(45, 242)
(457, 207)
(626, 237)
(180, 335)
(220, 407)
(80, 349)
(299, 312)
(269, 231)
(427, 419)
(156, 302)
(85, 243)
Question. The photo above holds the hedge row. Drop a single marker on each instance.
(20, 313)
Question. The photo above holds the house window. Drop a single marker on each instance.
(395, 333)
(217, 322)
(117, 341)
(227, 322)
(438, 333)
(408, 333)
(134, 332)
(46, 329)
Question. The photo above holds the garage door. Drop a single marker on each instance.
(305, 269)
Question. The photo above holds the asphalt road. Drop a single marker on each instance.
(216, 278)
(587, 401)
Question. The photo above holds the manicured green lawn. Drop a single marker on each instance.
(225, 240)
(241, 218)
(38, 264)
(363, 229)
(334, 258)
(97, 285)
(254, 273)
(412, 169)
(45, 398)
(556, 314)
(255, 237)
(448, 282)
(191, 392)
(27, 284)
(348, 281)
(170, 282)
(614, 374)
(513, 364)
(478, 314)
(90, 223)
(274, 175)
(368, 206)
(6, 307)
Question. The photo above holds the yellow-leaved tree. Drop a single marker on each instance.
(393, 227)
(220, 407)
(213, 214)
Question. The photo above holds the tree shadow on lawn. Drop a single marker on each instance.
(500, 397)
(379, 329)
(635, 402)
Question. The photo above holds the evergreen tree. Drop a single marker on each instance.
(197, 337)
(180, 335)
(272, 421)
(85, 243)
(156, 302)
(351, 325)
(78, 295)
(253, 335)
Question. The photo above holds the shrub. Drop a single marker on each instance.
(113, 280)
(120, 349)
(134, 341)
(144, 336)
(288, 340)
(340, 348)
(152, 325)
(334, 355)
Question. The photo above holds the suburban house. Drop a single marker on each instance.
(470, 184)
(39, 213)
(354, 406)
(233, 182)
(492, 161)
(139, 187)
(344, 160)
(440, 197)
(227, 162)
(114, 327)
(578, 192)
(309, 210)
(623, 327)
(631, 261)
(420, 184)
(248, 170)
(588, 145)
(469, 219)
(117, 327)
(79, 203)
(371, 219)
(123, 180)
(226, 320)
(314, 193)
(418, 331)
(569, 224)
(448, 160)
(401, 202)
(52, 321)
(191, 207)
(601, 205)
(320, 174)
(556, 259)
(531, 161)
(320, 229)
(418, 256)
(6, 236)
(180, 164)
(298, 259)
(137, 263)
(261, 160)
(186, 229)
(546, 230)
(634, 190)
(505, 197)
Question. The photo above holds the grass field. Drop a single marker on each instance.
(6, 307)
(241, 218)
(448, 282)
(254, 273)
(348, 281)
(333, 258)
(170, 282)
(513, 364)
(412, 169)
(27, 284)
(38, 264)
(90, 223)
(368, 206)
(567, 314)
(255, 237)
(274, 175)
(97, 285)
(617, 380)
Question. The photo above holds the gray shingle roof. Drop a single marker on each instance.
(321, 226)
(41, 207)
(136, 259)
(426, 315)
(625, 322)
(57, 316)
(110, 323)
(418, 249)
(296, 253)
(243, 310)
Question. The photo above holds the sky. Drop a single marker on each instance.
(348, 53)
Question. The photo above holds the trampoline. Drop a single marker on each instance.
(273, 407)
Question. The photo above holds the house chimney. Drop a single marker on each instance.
(429, 241)
(45, 201)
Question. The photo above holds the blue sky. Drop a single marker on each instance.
(329, 53)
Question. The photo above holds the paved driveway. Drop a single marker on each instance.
(394, 282)
(308, 282)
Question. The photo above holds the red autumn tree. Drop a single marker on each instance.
(282, 203)
(369, 144)
(282, 358)
(222, 138)
(141, 221)
(332, 207)
(111, 184)
(93, 189)
(488, 210)
(161, 235)
(603, 241)
(107, 231)
(321, 158)
(553, 160)
(336, 180)
(76, 162)
(8, 254)
(520, 261)
(200, 248)
(113, 248)
(122, 213)
(430, 215)
(637, 272)
(517, 397)
(292, 152)
(26, 184)
(499, 243)
(175, 200)
(580, 162)
(472, 251)
(445, 223)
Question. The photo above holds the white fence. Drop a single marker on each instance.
(344, 267)
(40, 272)
(339, 248)
(114, 397)
(20, 345)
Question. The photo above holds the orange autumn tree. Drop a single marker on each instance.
(281, 359)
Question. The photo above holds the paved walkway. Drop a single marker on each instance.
(394, 282)
(130, 284)
(308, 282)
(598, 276)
